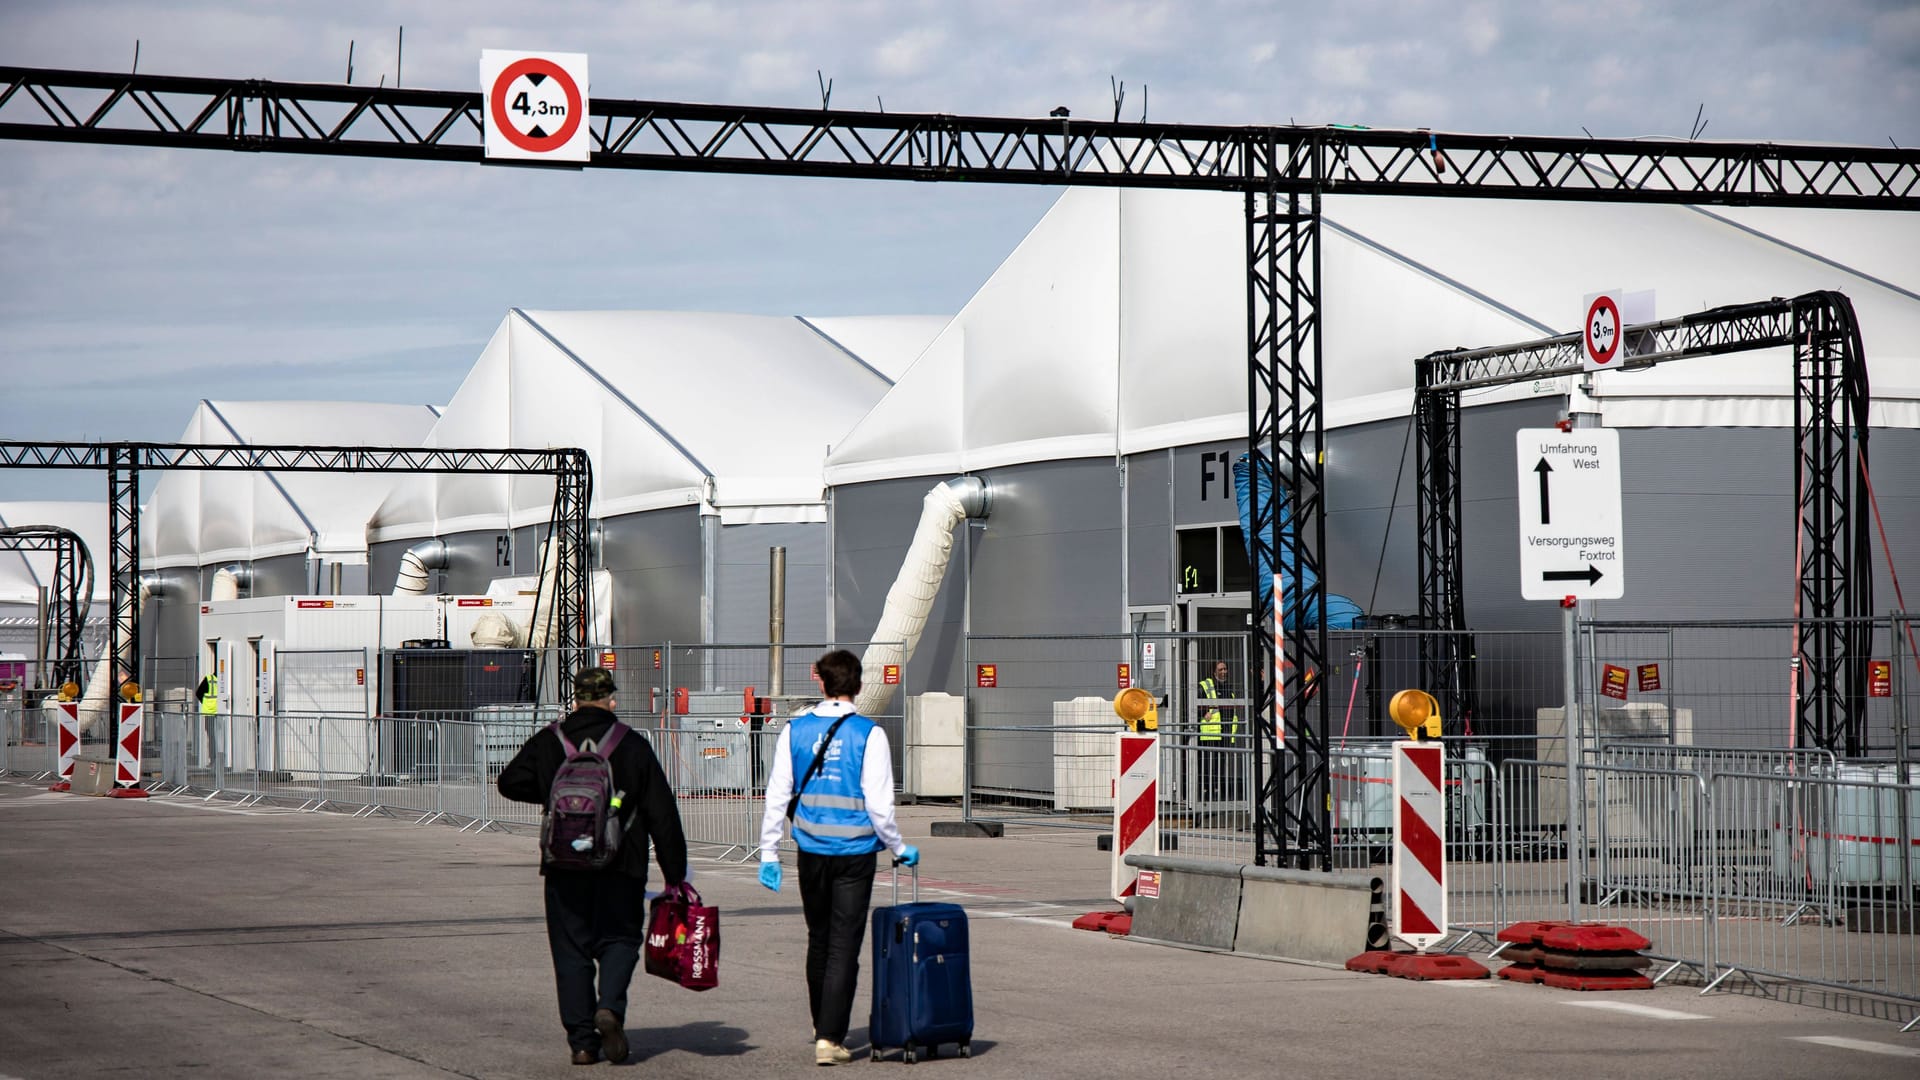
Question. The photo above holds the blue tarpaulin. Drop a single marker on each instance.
(1342, 613)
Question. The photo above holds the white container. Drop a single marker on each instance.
(935, 746)
(1083, 754)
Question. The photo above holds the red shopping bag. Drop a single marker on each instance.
(683, 939)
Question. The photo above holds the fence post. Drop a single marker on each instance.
(1711, 961)
(968, 734)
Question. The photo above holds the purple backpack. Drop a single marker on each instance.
(582, 828)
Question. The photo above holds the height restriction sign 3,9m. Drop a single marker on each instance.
(535, 106)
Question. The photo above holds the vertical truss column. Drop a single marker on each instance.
(123, 540)
(1285, 427)
(1442, 642)
(573, 583)
(1830, 431)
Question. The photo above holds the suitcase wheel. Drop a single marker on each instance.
(907, 1055)
(966, 1049)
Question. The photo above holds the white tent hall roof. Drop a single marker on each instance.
(23, 572)
(732, 413)
(201, 518)
(1119, 323)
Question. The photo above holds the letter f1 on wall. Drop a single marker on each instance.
(535, 106)
(1570, 533)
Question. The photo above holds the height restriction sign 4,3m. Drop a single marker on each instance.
(536, 106)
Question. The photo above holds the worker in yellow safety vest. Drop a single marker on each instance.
(1217, 731)
(209, 694)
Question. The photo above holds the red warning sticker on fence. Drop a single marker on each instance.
(1879, 678)
(1613, 681)
(1124, 676)
(359, 676)
(609, 659)
(890, 675)
(656, 659)
(1649, 677)
(986, 676)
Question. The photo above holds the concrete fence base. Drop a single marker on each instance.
(1294, 915)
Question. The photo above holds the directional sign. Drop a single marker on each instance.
(536, 106)
(1570, 535)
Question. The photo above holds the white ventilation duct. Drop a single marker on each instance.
(229, 580)
(495, 631)
(152, 585)
(415, 564)
(540, 632)
(911, 597)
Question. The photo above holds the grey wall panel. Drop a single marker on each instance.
(654, 558)
(174, 616)
(741, 580)
(1203, 483)
(282, 575)
(1149, 529)
(1048, 560)
(475, 559)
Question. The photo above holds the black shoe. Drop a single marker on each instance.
(613, 1040)
(585, 1057)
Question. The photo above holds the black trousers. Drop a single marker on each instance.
(594, 919)
(835, 891)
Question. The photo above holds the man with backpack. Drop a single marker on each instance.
(605, 796)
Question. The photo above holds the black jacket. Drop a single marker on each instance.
(648, 797)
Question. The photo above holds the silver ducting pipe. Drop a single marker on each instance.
(41, 637)
(415, 565)
(911, 598)
(776, 620)
(229, 580)
(153, 584)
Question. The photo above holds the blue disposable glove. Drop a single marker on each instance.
(770, 875)
(910, 855)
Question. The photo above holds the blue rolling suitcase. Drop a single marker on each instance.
(922, 980)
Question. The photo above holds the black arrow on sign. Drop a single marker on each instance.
(1543, 469)
(1591, 574)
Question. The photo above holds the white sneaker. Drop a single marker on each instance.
(827, 1052)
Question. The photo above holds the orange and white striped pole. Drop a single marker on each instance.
(68, 744)
(126, 753)
(1136, 806)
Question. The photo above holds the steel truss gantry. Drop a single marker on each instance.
(124, 462)
(1284, 171)
(1831, 396)
(70, 593)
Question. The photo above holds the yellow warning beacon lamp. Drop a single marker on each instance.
(1415, 710)
(1136, 707)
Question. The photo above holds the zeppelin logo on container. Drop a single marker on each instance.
(206, 609)
(474, 601)
(313, 603)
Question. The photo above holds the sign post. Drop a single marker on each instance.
(1136, 806)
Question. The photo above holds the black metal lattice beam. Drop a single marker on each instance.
(124, 462)
(70, 592)
(1834, 599)
(253, 115)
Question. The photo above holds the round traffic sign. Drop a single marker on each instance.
(1601, 332)
(535, 105)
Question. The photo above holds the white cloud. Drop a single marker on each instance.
(1342, 65)
(910, 53)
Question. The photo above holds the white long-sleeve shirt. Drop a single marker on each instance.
(876, 786)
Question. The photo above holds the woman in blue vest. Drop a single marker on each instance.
(843, 769)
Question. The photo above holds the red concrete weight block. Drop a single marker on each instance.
(1596, 980)
(1101, 920)
(1530, 933)
(1609, 962)
(1521, 954)
(1372, 962)
(1426, 967)
(1522, 973)
(1577, 938)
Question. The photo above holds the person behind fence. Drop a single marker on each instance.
(1218, 731)
(611, 797)
(208, 693)
(832, 776)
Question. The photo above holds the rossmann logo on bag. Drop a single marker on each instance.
(697, 957)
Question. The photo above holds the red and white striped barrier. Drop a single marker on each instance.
(126, 756)
(1419, 851)
(1136, 806)
(69, 738)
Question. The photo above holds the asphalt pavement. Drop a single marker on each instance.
(173, 937)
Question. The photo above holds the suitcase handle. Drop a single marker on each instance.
(896, 882)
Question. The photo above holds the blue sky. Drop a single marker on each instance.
(134, 282)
